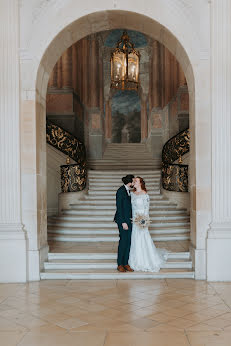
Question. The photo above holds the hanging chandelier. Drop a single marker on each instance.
(125, 65)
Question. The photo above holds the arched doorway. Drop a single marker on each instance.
(74, 31)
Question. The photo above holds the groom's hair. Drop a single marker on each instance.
(127, 179)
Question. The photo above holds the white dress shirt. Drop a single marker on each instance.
(128, 190)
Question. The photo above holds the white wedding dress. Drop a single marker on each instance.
(144, 256)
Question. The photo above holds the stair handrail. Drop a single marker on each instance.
(175, 175)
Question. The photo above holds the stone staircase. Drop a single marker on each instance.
(84, 238)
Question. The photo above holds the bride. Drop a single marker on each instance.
(144, 256)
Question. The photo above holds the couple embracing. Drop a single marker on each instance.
(136, 250)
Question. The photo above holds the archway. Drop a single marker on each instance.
(76, 30)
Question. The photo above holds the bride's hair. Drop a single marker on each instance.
(142, 184)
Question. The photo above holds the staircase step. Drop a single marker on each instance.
(110, 238)
(115, 275)
(100, 264)
(109, 218)
(105, 256)
(111, 212)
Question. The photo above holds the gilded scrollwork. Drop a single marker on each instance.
(65, 142)
(175, 176)
(73, 178)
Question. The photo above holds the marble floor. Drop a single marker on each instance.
(111, 313)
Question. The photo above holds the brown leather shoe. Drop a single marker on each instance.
(128, 268)
(121, 269)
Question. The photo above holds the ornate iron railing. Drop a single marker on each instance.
(175, 175)
(73, 176)
(65, 142)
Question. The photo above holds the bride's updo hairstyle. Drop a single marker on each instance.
(142, 184)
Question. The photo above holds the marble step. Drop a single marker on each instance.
(76, 231)
(144, 173)
(109, 192)
(96, 185)
(105, 264)
(110, 238)
(109, 218)
(106, 256)
(118, 182)
(111, 224)
(112, 196)
(98, 207)
(115, 275)
(154, 203)
(104, 212)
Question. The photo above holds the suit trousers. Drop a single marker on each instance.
(124, 245)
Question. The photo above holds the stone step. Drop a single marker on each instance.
(111, 238)
(155, 203)
(101, 208)
(111, 212)
(105, 264)
(109, 192)
(109, 274)
(144, 173)
(111, 224)
(109, 218)
(75, 231)
(106, 256)
(107, 198)
(117, 181)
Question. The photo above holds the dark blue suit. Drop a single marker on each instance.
(123, 215)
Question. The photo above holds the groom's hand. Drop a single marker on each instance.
(125, 226)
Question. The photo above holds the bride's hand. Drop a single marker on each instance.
(125, 226)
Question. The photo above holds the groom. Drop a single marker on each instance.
(123, 217)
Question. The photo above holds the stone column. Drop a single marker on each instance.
(219, 235)
(67, 69)
(167, 81)
(108, 120)
(93, 66)
(156, 75)
(53, 78)
(74, 67)
(85, 68)
(181, 76)
(12, 236)
(144, 119)
(59, 73)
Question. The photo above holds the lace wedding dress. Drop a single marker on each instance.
(144, 256)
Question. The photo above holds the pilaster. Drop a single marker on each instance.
(219, 235)
(12, 236)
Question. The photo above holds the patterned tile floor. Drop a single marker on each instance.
(111, 313)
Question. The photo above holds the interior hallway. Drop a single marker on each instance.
(111, 313)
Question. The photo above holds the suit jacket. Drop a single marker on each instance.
(123, 206)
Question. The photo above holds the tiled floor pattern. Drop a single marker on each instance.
(115, 313)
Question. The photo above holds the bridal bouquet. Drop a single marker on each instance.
(142, 221)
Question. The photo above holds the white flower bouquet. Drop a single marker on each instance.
(142, 221)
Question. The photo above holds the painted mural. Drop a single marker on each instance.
(126, 126)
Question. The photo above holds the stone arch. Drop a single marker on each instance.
(65, 37)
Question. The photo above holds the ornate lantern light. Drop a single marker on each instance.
(125, 65)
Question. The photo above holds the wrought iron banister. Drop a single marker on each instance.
(65, 142)
(175, 175)
(73, 176)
